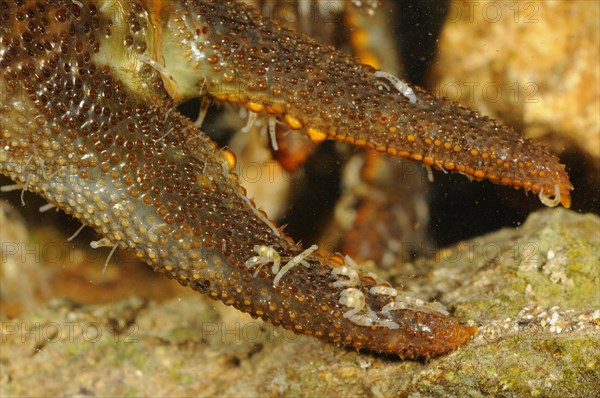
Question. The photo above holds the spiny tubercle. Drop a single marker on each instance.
(272, 70)
(90, 127)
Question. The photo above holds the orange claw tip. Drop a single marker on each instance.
(459, 334)
(454, 337)
(429, 336)
(560, 193)
(444, 342)
(464, 333)
(565, 199)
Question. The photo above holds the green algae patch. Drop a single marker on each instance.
(551, 260)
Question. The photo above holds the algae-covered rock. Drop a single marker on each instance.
(532, 64)
(533, 292)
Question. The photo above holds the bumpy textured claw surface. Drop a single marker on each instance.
(88, 121)
(273, 70)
